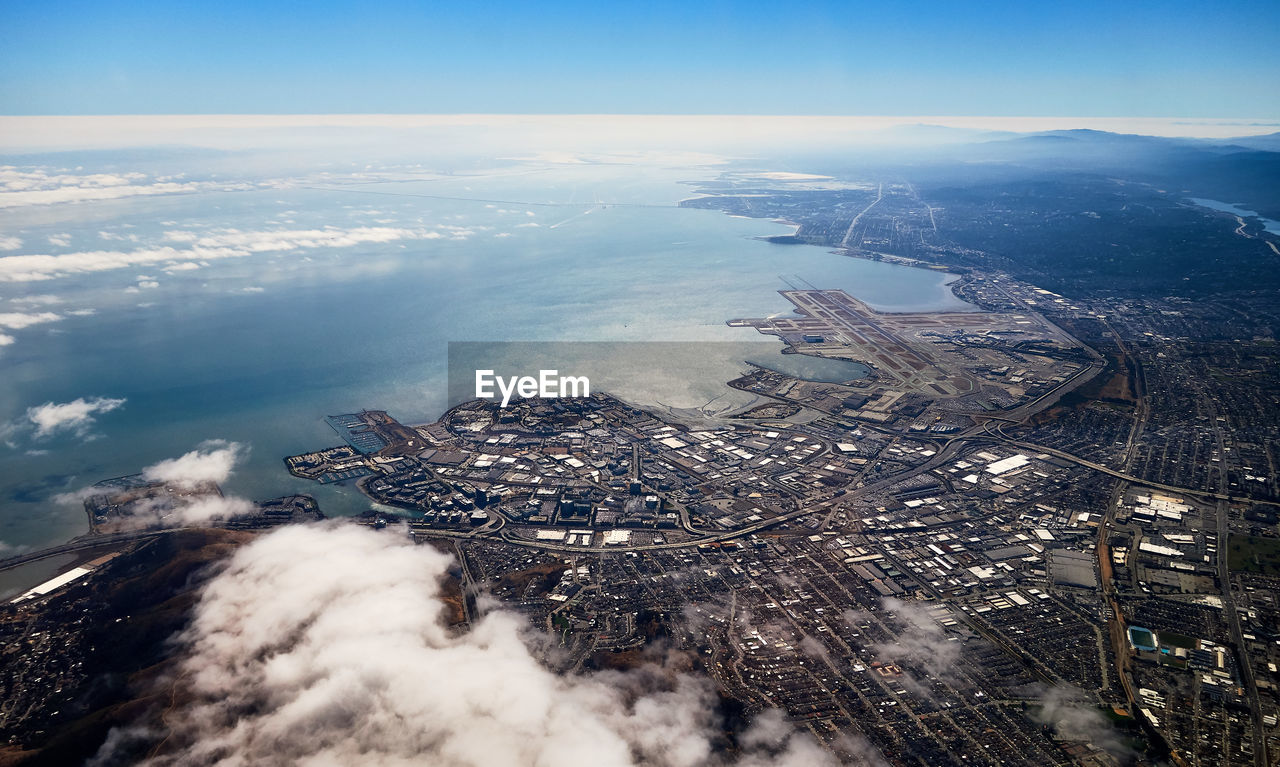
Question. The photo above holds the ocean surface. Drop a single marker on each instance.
(258, 348)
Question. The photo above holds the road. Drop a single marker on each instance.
(1237, 638)
(1000, 436)
(80, 544)
(844, 243)
(932, 221)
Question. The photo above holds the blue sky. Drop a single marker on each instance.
(1083, 59)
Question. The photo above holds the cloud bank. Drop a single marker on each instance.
(325, 645)
(193, 246)
(37, 186)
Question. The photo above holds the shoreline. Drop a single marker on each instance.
(270, 486)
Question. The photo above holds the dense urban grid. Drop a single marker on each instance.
(924, 564)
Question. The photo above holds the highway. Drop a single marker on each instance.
(1000, 436)
(80, 544)
(849, 234)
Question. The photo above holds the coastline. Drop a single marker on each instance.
(259, 479)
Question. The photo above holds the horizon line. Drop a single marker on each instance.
(27, 132)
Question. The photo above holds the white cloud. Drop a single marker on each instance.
(39, 187)
(1068, 711)
(206, 246)
(212, 461)
(176, 510)
(60, 240)
(148, 284)
(36, 300)
(10, 243)
(76, 416)
(211, 508)
(14, 180)
(325, 644)
(185, 266)
(294, 239)
(19, 320)
(921, 642)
